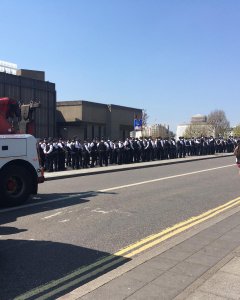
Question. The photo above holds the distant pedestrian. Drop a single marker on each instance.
(237, 154)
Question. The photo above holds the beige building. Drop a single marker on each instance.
(200, 125)
(88, 120)
(156, 130)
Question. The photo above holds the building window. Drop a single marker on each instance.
(92, 131)
(85, 132)
(99, 132)
(104, 131)
(124, 134)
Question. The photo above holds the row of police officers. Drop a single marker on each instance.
(58, 154)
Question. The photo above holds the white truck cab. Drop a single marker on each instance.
(20, 171)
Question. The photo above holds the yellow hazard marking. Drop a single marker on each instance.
(122, 255)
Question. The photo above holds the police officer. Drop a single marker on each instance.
(126, 152)
(48, 151)
(42, 144)
(173, 148)
(102, 152)
(159, 148)
(73, 153)
(136, 150)
(110, 151)
(55, 155)
(85, 154)
(93, 153)
(78, 153)
(212, 145)
(166, 148)
(61, 154)
(120, 151)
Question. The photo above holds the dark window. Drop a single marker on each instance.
(99, 131)
(104, 131)
(85, 132)
(92, 131)
(124, 134)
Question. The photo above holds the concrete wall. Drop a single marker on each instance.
(94, 112)
(68, 132)
(26, 90)
(38, 75)
(70, 110)
(88, 120)
(122, 121)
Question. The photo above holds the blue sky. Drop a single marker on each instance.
(173, 58)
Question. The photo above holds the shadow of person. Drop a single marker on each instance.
(33, 269)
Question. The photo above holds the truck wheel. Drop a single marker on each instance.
(15, 186)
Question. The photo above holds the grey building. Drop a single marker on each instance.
(29, 85)
(88, 120)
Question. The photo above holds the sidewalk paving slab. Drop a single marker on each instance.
(224, 284)
(209, 270)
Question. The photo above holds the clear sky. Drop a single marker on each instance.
(174, 58)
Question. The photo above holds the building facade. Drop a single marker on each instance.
(29, 85)
(88, 120)
(198, 123)
(67, 119)
(156, 131)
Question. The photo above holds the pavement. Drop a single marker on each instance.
(202, 262)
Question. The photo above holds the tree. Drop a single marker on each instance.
(236, 131)
(197, 130)
(218, 122)
(144, 118)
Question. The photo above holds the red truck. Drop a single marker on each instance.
(20, 171)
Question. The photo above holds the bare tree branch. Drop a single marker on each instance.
(144, 118)
(218, 121)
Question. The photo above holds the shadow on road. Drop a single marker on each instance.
(30, 269)
(46, 202)
(10, 230)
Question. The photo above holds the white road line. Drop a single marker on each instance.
(46, 202)
(64, 221)
(163, 178)
(51, 216)
(100, 211)
(110, 189)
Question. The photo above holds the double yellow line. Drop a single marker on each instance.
(106, 263)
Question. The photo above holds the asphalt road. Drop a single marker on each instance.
(75, 222)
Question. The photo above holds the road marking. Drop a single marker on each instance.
(64, 221)
(90, 193)
(163, 178)
(98, 210)
(123, 255)
(51, 216)
(180, 227)
(48, 201)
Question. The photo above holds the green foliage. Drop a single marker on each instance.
(236, 131)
